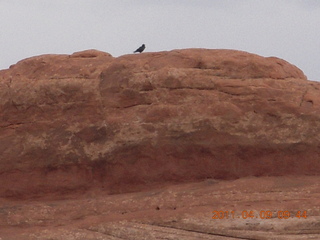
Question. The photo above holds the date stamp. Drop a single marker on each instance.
(263, 214)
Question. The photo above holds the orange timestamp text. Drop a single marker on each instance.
(258, 214)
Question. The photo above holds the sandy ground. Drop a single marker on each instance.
(248, 208)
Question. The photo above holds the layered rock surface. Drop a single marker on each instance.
(81, 126)
(70, 123)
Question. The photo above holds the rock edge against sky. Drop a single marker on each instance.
(89, 120)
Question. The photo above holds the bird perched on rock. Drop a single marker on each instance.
(140, 49)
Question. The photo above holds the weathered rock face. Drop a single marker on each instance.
(70, 123)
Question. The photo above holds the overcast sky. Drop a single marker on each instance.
(289, 29)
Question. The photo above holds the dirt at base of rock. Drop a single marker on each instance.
(262, 208)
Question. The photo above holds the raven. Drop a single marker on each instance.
(140, 49)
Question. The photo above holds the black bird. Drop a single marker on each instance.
(140, 49)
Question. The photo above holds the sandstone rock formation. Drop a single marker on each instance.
(88, 119)
(88, 122)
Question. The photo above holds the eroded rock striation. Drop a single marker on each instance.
(89, 120)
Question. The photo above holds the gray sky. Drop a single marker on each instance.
(289, 29)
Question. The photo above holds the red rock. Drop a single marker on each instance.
(91, 120)
(87, 124)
